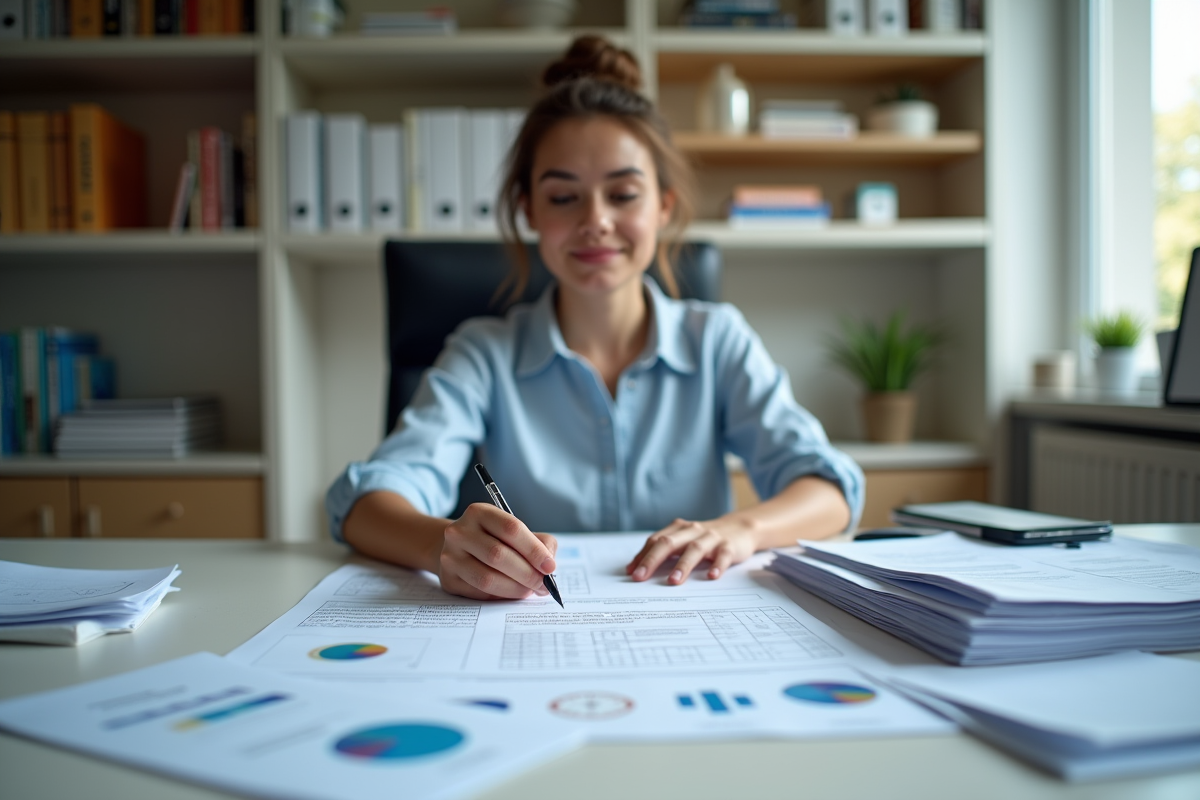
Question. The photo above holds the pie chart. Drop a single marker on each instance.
(347, 652)
(830, 693)
(399, 742)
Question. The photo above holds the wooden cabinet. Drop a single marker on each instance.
(35, 507)
(132, 507)
(171, 508)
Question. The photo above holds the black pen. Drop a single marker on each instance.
(498, 499)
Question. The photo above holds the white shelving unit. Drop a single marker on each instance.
(289, 329)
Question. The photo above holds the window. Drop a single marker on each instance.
(1175, 70)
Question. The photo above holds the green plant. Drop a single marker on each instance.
(903, 92)
(1122, 329)
(885, 359)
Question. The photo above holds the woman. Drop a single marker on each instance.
(605, 405)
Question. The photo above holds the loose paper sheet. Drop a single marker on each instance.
(250, 731)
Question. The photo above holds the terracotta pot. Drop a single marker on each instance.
(890, 416)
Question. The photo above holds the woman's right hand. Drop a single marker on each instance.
(488, 554)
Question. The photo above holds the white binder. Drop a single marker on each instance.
(385, 177)
(843, 17)
(943, 16)
(440, 147)
(12, 19)
(305, 204)
(482, 156)
(345, 181)
(888, 17)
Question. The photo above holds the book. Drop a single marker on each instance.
(33, 132)
(195, 212)
(210, 17)
(59, 145)
(249, 141)
(231, 16)
(32, 360)
(210, 178)
(11, 418)
(62, 348)
(10, 191)
(183, 195)
(108, 168)
(87, 19)
(12, 20)
(111, 19)
(797, 195)
(226, 181)
(1005, 525)
(146, 17)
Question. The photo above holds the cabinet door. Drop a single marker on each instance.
(887, 489)
(171, 508)
(35, 507)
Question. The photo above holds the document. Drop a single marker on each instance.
(1086, 719)
(46, 605)
(253, 732)
(610, 625)
(623, 661)
(975, 603)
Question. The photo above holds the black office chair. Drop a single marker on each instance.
(433, 286)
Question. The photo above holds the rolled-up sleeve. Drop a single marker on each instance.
(425, 458)
(778, 439)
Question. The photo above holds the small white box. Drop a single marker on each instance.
(875, 204)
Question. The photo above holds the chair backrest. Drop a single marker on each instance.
(433, 286)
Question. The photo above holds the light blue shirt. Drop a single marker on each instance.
(569, 456)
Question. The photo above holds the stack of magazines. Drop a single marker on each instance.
(973, 602)
(168, 427)
(806, 119)
(409, 23)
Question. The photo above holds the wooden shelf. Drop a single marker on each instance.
(476, 58)
(218, 464)
(687, 56)
(868, 148)
(916, 235)
(218, 63)
(148, 242)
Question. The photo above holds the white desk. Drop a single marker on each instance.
(231, 589)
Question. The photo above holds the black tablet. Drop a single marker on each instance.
(1182, 386)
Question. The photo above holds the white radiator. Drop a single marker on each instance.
(1127, 479)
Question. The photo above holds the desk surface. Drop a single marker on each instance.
(232, 589)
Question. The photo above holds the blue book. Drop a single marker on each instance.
(10, 396)
(64, 347)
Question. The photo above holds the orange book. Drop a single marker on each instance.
(60, 173)
(87, 19)
(33, 132)
(793, 195)
(10, 185)
(232, 16)
(108, 171)
(211, 17)
(145, 17)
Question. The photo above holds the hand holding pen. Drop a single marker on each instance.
(498, 500)
(488, 554)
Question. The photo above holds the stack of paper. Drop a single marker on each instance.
(72, 606)
(1105, 717)
(971, 602)
(806, 119)
(154, 428)
(407, 23)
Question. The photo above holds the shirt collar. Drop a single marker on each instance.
(543, 338)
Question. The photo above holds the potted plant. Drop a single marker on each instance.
(1116, 336)
(886, 360)
(904, 113)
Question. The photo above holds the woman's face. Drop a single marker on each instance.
(595, 203)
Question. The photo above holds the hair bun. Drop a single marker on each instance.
(598, 58)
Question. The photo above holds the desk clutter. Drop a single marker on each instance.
(44, 605)
(376, 679)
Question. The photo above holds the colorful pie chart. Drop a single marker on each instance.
(399, 742)
(830, 693)
(347, 652)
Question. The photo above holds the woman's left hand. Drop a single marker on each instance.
(716, 541)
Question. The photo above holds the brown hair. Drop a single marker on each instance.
(594, 78)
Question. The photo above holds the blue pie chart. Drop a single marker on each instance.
(399, 742)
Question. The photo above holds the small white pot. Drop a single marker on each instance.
(915, 118)
(1115, 370)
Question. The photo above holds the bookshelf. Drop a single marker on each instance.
(289, 328)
